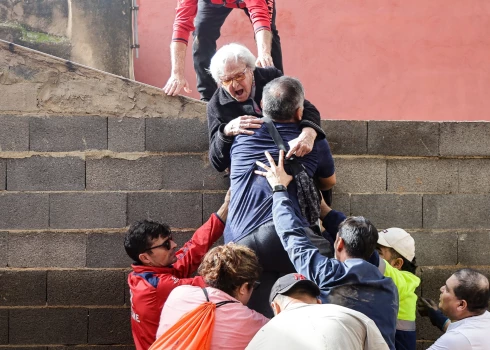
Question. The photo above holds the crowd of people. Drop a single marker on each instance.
(293, 272)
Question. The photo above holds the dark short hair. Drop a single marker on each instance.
(140, 235)
(282, 97)
(473, 288)
(299, 290)
(359, 235)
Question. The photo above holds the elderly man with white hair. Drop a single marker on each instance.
(235, 107)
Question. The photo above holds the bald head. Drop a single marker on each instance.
(474, 288)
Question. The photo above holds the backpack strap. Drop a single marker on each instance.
(205, 293)
(275, 134)
(221, 303)
(295, 166)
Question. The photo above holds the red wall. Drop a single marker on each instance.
(358, 59)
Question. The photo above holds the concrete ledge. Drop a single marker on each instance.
(58, 86)
(465, 139)
(403, 138)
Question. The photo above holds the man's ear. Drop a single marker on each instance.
(298, 115)
(463, 305)
(275, 308)
(145, 259)
(318, 301)
(397, 263)
(340, 243)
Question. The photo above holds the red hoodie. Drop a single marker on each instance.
(150, 286)
(260, 14)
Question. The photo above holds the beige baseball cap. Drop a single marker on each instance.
(398, 239)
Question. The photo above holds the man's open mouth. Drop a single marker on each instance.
(238, 93)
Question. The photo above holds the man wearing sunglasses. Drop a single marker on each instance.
(159, 267)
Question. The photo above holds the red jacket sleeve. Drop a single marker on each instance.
(260, 13)
(184, 20)
(190, 255)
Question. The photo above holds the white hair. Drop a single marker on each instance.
(236, 52)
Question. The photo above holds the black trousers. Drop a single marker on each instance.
(274, 261)
(208, 22)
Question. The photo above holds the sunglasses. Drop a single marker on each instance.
(237, 78)
(165, 244)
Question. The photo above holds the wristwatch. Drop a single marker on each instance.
(279, 188)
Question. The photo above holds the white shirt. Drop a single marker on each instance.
(318, 326)
(469, 333)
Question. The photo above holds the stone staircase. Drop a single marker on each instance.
(84, 153)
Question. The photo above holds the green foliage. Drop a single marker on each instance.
(33, 36)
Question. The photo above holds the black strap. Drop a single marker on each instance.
(221, 303)
(275, 134)
(205, 293)
(295, 166)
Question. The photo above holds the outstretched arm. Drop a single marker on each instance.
(183, 25)
(177, 79)
(190, 255)
(310, 130)
(264, 44)
(305, 257)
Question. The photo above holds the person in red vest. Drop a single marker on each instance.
(205, 18)
(159, 268)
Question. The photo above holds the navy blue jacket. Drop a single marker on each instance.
(404, 339)
(354, 283)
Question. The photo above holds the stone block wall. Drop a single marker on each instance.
(84, 153)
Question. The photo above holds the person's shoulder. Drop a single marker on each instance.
(249, 140)
(452, 339)
(214, 102)
(266, 74)
(322, 144)
(372, 272)
(185, 291)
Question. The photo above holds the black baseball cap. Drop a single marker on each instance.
(285, 283)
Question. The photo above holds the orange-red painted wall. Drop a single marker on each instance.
(359, 59)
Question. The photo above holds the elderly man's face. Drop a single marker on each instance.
(237, 80)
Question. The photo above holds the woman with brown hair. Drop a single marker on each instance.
(231, 272)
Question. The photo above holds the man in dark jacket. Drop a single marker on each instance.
(235, 107)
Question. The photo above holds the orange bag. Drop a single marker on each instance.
(193, 331)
